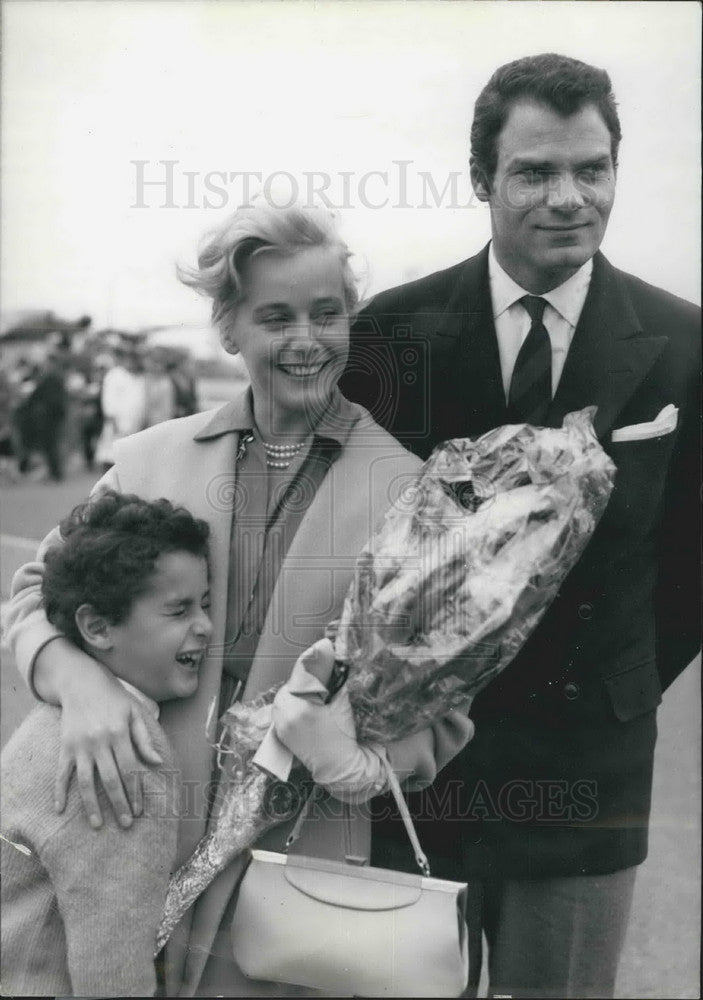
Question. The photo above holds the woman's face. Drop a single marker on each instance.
(293, 333)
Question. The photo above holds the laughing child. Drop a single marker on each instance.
(81, 907)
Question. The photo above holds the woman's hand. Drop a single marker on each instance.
(323, 735)
(418, 759)
(101, 727)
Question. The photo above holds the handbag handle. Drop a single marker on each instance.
(394, 785)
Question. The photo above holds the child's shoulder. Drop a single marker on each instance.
(29, 762)
(29, 766)
(36, 737)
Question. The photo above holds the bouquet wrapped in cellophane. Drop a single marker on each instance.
(465, 564)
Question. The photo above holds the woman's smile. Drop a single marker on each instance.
(297, 364)
(292, 330)
(301, 371)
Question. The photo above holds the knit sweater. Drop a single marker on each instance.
(80, 907)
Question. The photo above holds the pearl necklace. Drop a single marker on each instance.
(279, 456)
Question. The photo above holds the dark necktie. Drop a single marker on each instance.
(531, 385)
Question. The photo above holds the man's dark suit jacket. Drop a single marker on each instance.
(557, 780)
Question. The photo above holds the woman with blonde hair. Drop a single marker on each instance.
(292, 479)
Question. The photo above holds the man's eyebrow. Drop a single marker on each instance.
(598, 161)
(525, 163)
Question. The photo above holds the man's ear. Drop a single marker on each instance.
(95, 630)
(479, 181)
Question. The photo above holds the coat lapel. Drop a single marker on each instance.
(609, 356)
(478, 402)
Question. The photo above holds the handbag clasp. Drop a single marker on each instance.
(356, 859)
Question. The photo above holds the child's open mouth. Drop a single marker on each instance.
(192, 659)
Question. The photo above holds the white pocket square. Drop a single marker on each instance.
(664, 423)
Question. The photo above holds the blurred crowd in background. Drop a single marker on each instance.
(66, 396)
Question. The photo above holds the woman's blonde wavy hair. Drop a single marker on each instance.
(262, 228)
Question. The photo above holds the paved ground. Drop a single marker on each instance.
(662, 951)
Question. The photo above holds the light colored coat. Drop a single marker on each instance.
(191, 461)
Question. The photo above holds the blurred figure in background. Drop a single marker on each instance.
(8, 399)
(179, 367)
(91, 415)
(23, 379)
(44, 413)
(76, 378)
(122, 400)
(160, 391)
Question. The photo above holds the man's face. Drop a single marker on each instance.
(551, 194)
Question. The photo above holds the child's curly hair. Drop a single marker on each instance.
(111, 544)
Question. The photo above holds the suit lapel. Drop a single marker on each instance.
(478, 386)
(609, 355)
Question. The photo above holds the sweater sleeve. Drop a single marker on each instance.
(110, 887)
(28, 629)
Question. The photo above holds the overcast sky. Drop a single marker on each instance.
(97, 94)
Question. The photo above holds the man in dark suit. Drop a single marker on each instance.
(546, 811)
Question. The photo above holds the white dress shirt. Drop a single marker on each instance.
(512, 322)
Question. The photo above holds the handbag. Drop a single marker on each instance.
(347, 928)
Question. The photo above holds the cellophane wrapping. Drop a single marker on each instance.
(463, 568)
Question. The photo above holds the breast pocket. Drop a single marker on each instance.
(642, 468)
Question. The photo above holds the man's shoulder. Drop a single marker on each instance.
(654, 302)
(663, 314)
(429, 293)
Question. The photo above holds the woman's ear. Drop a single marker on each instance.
(479, 181)
(227, 338)
(94, 628)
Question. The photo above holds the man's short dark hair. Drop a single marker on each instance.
(111, 544)
(565, 85)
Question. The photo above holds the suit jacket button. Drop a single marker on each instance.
(585, 611)
(571, 691)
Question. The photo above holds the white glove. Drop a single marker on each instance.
(323, 736)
